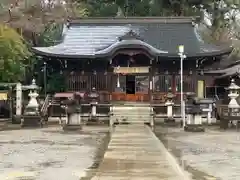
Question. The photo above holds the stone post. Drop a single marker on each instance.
(18, 100)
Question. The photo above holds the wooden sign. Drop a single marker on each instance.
(130, 70)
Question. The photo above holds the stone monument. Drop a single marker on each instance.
(17, 117)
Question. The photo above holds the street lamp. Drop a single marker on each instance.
(182, 57)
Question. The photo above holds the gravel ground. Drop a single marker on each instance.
(49, 153)
(213, 153)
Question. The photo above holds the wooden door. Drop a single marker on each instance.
(141, 90)
(119, 93)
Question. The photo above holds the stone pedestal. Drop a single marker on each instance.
(189, 119)
(209, 114)
(194, 124)
(193, 112)
(208, 110)
(93, 114)
(74, 121)
(93, 97)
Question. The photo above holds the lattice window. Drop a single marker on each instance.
(162, 83)
(188, 84)
(142, 84)
(99, 81)
(88, 81)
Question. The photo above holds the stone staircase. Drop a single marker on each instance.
(132, 113)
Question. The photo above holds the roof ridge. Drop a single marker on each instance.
(148, 19)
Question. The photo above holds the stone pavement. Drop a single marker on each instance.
(48, 153)
(135, 153)
(213, 153)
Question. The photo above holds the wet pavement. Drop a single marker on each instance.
(49, 153)
(214, 154)
(135, 153)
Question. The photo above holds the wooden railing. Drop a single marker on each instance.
(222, 111)
(44, 108)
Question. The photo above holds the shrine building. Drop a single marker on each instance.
(134, 58)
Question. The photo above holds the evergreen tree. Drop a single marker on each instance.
(14, 55)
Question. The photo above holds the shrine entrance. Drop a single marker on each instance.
(132, 87)
(130, 84)
(131, 69)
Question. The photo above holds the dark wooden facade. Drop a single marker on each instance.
(163, 77)
(99, 53)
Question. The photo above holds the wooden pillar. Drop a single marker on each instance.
(196, 77)
(174, 90)
(110, 78)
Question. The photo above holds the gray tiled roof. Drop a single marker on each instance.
(161, 38)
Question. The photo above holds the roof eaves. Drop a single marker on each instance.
(43, 52)
(107, 51)
(227, 71)
(201, 54)
(227, 74)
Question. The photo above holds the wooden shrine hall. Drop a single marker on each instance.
(134, 58)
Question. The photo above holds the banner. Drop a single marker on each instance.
(131, 70)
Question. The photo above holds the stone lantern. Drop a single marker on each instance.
(233, 90)
(31, 115)
(169, 103)
(33, 103)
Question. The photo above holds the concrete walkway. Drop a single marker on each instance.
(135, 153)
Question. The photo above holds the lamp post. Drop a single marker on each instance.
(182, 57)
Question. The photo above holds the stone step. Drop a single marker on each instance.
(131, 114)
(133, 122)
(136, 119)
(131, 117)
(131, 108)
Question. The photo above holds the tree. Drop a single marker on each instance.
(51, 35)
(30, 17)
(14, 55)
(56, 83)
